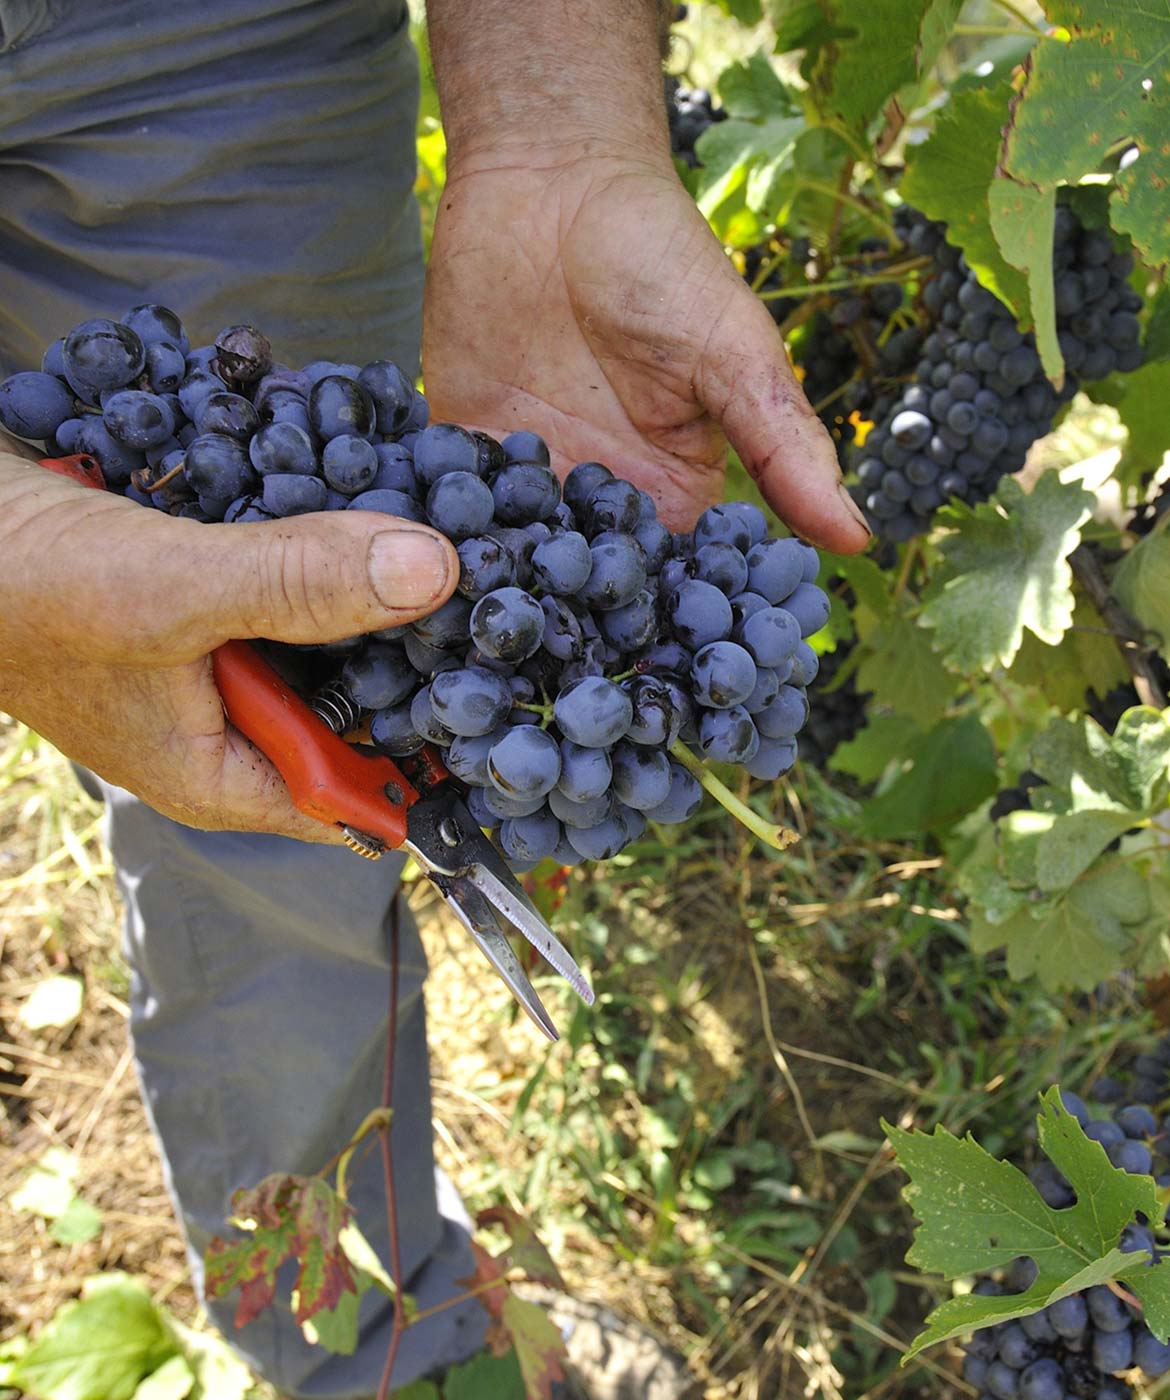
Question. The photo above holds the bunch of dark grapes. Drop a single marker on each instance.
(1150, 1083)
(1078, 1346)
(584, 640)
(689, 112)
(980, 397)
(841, 710)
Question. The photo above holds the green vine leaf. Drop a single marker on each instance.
(1142, 585)
(1004, 568)
(938, 23)
(1085, 658)
(870, 58)
(752, 90)
(977, 1214)
(1022, 221)
(904, 671)
(949, 177)
(1106, 82)
(100, 1347)
(1047, 888)
(953, 770)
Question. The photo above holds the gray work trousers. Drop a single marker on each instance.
(245, 160)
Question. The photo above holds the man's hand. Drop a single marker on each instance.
(108, 613)
(589, 301)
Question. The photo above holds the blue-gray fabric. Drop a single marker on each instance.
(245, 160)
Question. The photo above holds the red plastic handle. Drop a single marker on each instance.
(328, 778)
(80, 467)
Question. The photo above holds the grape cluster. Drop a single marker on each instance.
(979, 397)
(1077, 1346)
(584, 640)
(1150, 1083)
(689, 112)
(1071, 1350)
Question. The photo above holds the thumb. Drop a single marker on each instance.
(316, 578)
(748, 385)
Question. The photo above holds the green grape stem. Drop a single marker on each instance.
(773, 834)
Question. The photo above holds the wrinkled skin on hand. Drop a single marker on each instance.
(589, 301)
(109, 612)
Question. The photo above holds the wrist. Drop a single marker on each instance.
(545, 83)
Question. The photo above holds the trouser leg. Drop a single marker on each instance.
(244, 160)
(259, 1014)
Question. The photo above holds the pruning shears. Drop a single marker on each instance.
(378, 807)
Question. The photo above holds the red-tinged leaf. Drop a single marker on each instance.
(526, 1252)
(546, 887)
(487, 1270)
(286, 1217)
(498, 1338)
(539, 1345)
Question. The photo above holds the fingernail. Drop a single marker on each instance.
(853, 508)
(408, 569)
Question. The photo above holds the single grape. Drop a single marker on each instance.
(470, 701)
(459, 505)
(388, 503)
(391, 393)
(289, 493)
(1043, 1380)
(809, 605)
(392, 731)
(586, 773)
(593, 712)
(617, 572)
(283, 448)
(484, 566)
(723, 675)
(423, 718)
(378, 675)
(531, 838)
(772, 758)
(722, 565)
(1136, 1121)
(155, 325)
(641, 775)
(728, 736)
(524, 492)
(1150, 1355)
(633, 626)
(443, 448)
(525, 447)
(611, 506)
(562, 563)
(217, 466)
(350, 464)
(1131, 1156)
(582, 481)
(229, 414)
(1107, 1311)
(340, 407)
(583, 813)
(785, 716)
(775, 569)
(34, 405)
(771, 635)
(599, 842)
(727, 524)
(699, 613)
(1113, 1351)
(525, 763)
(102, 354)
(507, 624)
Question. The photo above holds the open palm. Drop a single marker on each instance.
(590, 303)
